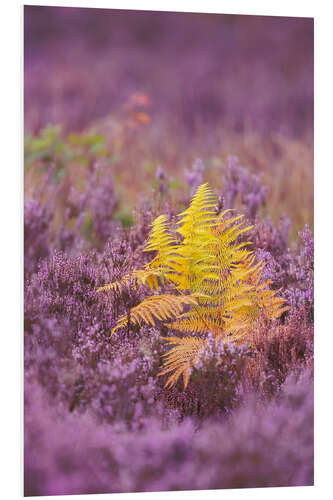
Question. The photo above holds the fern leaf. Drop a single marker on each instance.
(141, 277)
(161, 241)
(160, 307)
(181, 358)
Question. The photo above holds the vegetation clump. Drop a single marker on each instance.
(212, 280)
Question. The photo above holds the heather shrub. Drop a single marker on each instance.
(37, 220)
(67, 345)
(245, 460)
(118, 386)
(78, 457)
(101, 205)
(278, 351)
(242, 187)
(271, 238)
(302, 272)
(69, 212)
(290, 271)
(194, 176)
(215, 385)
(143, 215)
(82, 373)
(65, 286)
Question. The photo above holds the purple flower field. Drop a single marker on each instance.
(127, 116)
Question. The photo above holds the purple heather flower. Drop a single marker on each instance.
(239, 182)
(194, 177)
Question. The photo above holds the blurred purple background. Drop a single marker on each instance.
(208, 70)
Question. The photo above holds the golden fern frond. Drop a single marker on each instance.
(264, 300)
(140, 277)
(184, 270)
(196, 324)
(196, 221)
(246, 313)
(195, 228)
(213, 315)
(268, 303)
(161, 241)
(180, 358)
(156, 307)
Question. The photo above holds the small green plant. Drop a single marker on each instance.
(211, 280)
(52, 146)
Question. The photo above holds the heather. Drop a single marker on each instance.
(81, 457)
(104, 158)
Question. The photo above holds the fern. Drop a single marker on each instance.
(211, 273)
(156, 307)
(181, 358)
(139, 277)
